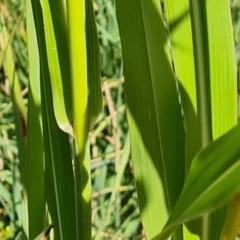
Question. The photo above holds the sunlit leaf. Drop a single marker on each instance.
(212, 180)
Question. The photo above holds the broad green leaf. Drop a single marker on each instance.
(180, 36)
(155, 121)
(222, 68)
(77, 49)
(215, 68)
(35, 165)
(55, 32)
(181, 47)
(212, 180)
(223, 87)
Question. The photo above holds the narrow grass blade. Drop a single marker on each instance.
(155, 121)
(35, 165)
(55, 33)
(77, 48)
(211, 182)
(216, 82)
(223, 92)
(222, 67)
(93, 68)
(58, 174)
(59, 185)
(180, 34)
(215, 69)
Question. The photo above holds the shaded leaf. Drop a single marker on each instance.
(154, 116)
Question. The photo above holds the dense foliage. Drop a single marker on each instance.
(111, 165)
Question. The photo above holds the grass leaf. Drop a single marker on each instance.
(212, 180)
(55, 33)
(77, 48)
(93, 68)
(155, 121)
(35, 164)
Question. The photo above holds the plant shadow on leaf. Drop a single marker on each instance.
(152, 100)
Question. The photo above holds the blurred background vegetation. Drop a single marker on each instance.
(114, 196)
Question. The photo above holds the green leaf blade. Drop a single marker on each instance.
(35, 164)
(59, 184)
(211, 182)
(77, 48)
(154, 118)
(93, 68)
(222, 68)
(59, 181)
(58, 60)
